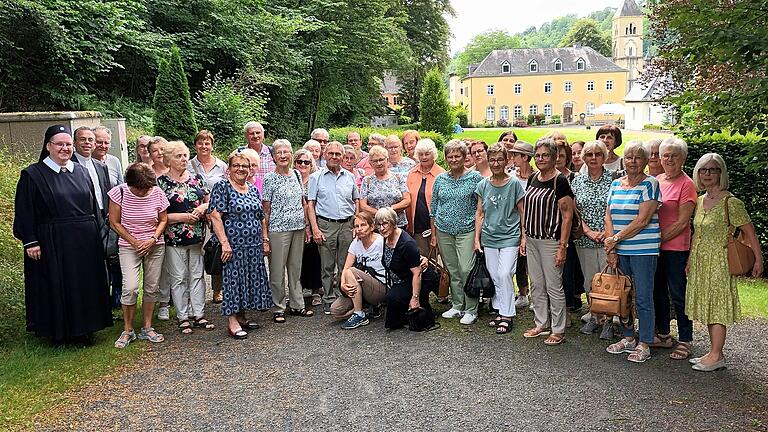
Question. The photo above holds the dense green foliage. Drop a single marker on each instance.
(549, 35)
(586, 32)
(746, 182)
(308, 63)
(436, 112)
(174, 118)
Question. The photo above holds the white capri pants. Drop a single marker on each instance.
(184, 265)
(502, 264)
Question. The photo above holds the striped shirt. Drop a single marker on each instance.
(542, 215)
(624, 206)
(139, 215)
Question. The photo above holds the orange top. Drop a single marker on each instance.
(413, 181)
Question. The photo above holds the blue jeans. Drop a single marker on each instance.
(641, 268)
(671, 282)
(116, 280)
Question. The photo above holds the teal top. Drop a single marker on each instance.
(454, 202)
(501, 220)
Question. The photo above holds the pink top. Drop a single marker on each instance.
(139, 215)
(674, 193)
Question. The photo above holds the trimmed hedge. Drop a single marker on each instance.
(748, 182)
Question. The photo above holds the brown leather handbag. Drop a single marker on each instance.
(444, 277)
(611, 293)
(741, 258)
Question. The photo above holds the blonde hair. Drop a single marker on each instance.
(591, 146)
(305, 152)
(378, 150)
(724, 182)
(173, 147)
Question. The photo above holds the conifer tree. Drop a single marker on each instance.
(434, 106)
(174, 116)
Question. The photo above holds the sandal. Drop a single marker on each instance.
(151, 335)
(663, 342)
(504, 326)
(204, 324)
(536, 332)
(126, 337)
(217, 297)
(237, 334)
(682, 351)
(495, 322)
(554, 339)
(301, 312)
(250, 325)
(278, 317)
(185, 327)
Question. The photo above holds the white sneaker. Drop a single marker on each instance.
(522, 301)
(164, 313)
(586, 317)
(452, 313)
(530, 306)
(468, 319)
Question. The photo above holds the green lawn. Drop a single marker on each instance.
(753, 294)
(491, 136)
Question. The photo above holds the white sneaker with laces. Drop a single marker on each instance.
(522, 301)
(586, 317)
(164, 313)
(452, 313)
(468, 319)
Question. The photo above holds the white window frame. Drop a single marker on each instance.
(581, 64)
(590, 109)
(558, 65)
(547, 87)
(533, 109)
(568, 86)
(507, 66)
(533, 66)
(489, 89)
(590, 86)
(492, 111)
(609, 85)
(504, 113)
(518, 88)
(518, 111)
(548, 110)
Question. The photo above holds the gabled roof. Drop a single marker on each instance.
(519, 59)
(628, 8)
(641, 92)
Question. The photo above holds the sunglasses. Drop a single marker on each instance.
(303, 162)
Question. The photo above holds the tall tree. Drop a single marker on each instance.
(586, 32)
(427, 32)
(436, 113)
(174, 116)
(480, 46)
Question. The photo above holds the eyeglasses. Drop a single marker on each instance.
(303, 162)
(61, 144)
(543, 156)
(497, 161)
(671, 156)
(381, 224)
(334, 154)
(477, 152)
(240, 166)
(321, 141)
(710, 170)
(375, 161)
(591, 155)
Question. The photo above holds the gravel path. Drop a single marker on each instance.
(308, 374)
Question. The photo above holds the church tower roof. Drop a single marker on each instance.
(628, 8)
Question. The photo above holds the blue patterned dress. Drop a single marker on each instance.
(245, 283)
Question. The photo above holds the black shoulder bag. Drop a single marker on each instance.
(212, 252)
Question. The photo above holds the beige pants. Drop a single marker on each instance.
(592, 260)
(184, 265)
(546, 285)
(373, 290)
(286, 253)
(131, 264)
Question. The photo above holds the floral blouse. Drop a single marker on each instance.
(591, 201)
(385, 193)
(183, 198)
(285, 194)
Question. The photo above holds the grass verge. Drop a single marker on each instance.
(530, 135)
(753, 294)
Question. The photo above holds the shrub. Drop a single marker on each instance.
(222, 108)
(404, 120)
(520, 123)
(502, 123)
(530, 119)
(434, 109)
(461, 114)
(539, 119)
(556, 119)
(651, 126)
(747, 180)
(174, 117)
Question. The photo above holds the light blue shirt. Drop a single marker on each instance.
(217, 173)
(334, 194)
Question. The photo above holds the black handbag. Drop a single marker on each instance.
(212, 258)
(421, 319)
(479, 283)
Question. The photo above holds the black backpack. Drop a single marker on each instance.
(479, 283)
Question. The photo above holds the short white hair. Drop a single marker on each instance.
(251, 125)
(425, 145)
(591, 146)
(310, 143)
(105, 129)
(637, 148)
(724, 182)
(674, 144)
(319, 131)
(386, 214)
(281, 143)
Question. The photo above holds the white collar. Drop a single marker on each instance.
(56, 168)
(83, 160)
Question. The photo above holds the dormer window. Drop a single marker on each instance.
(580, 64)
(505, 68)
(533, 66)
(558, 65)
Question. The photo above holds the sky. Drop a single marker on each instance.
(477, 16)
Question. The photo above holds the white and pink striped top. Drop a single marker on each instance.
(139, 215)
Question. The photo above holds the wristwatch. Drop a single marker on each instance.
(615, 238)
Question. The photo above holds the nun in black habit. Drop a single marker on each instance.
(56, 219)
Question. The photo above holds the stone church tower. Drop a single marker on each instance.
(627, 37)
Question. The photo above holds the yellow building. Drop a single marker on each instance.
(565, 82)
